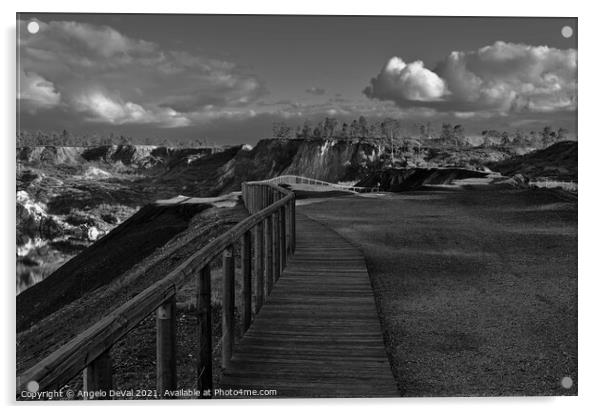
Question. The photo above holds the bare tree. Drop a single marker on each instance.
(391, 132)
(459, 134)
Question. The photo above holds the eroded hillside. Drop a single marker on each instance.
(69, 197)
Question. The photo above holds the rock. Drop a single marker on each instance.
(520, 180)
(77, 218)
(22, 213)
(93, 233)
(94, 173)
(517, 180)
(110, 218)
(22, 238)
(50, 228)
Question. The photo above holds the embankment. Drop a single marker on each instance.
(406, 179)
(558, 161)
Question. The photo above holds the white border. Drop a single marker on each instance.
(590, 133)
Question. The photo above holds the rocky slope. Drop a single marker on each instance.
(69, 197)
(135, 156)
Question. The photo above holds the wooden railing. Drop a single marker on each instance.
(296, 179)
(268, 234)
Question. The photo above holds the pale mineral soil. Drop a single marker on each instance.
(476, 287)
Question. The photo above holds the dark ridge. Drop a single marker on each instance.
(405, 179)
(558, 161)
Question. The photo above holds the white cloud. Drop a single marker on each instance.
(35, 92)
(101, 108)
(407, 82)
(96, 40)
(140, 81)
(503, 77)
(464, 115)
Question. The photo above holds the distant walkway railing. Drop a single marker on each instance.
(268, 234)
(296, 179)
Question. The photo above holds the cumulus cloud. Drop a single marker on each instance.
(315, 91)
(35, 92)
(102, 108)
(117, 79)
(503, 77)
(398, 81)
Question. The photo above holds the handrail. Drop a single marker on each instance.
(90, 350)
(297, 179)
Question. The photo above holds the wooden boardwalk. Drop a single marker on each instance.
(318, 334)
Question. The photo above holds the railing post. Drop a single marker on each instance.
(247, 289)
(247, 198)
(258, 197)
(166, 346)
(259, 268)
(243, 193)
(205, 361)
(282, 239)
(276, 243)
(289, 227)
(98, 375)
(294, 225)
(269, 245)
(228, 307)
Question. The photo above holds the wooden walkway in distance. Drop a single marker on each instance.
(318, 334)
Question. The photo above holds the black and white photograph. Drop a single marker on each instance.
(254, 206)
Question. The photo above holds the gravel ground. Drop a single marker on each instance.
(476, 288)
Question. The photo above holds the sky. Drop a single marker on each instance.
(227, 79)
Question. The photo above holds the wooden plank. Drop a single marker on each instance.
(166, 346)
(228, 306)
(318, 335)
(98, 375)
(247, 289)
(205, 360)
